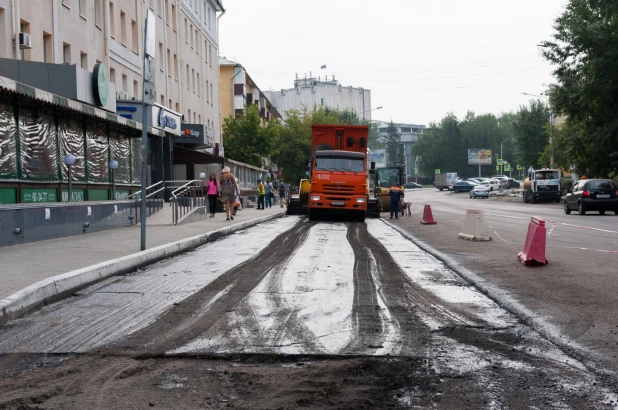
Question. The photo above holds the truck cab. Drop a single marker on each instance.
(542, 185)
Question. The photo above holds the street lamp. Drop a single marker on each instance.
(69, 160)
(551, 125)
(502, 166)
(113, 165)
(373, 109)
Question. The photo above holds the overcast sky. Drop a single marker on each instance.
(420, 58)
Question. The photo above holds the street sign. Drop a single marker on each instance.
(530, 169)
(518, 167)
(572, 167)
(415, 171)
(437, 170)
(499, 161)
(507, 167)
(497, 167)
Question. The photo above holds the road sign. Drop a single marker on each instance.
(572, 167)
(497, 167)
(530, 169)
(518, 167)
(415, 171)
(437, 170)
(499, 161)
(507, 167)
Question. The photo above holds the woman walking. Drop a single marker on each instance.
(228, 192)
(212, 190)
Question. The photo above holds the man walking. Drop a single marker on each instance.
(283, 189)
(261, 193)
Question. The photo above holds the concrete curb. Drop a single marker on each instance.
(58, 287)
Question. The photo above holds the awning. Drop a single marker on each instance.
(15, 87)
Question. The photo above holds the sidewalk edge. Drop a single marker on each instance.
(58, 287)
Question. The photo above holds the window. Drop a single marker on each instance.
(162, 100)
(205, 51)
(134, 37)
(123, 28)
(191, 33)
(186, 32)
(199, 85)
(207, 98)
(66, 3)
(125, 83)
(210, 54)
(199, 119)
(169, 105)
(84, 60)
(173, 17)
(161, 54)
(160, 11)
(169, 63)
(98, 13)
(210, 94)
(193, 80)
(82, 8)
(204, 12)
(189, 115)
(112, 75)
(176, 67)
(112, 20)
(47, 48)
(177, 107)
(136, 89)
(66, 53)
(194, 118)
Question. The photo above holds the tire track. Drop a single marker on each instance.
(195, 315)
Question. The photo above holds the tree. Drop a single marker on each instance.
(246, 140)
(584, 49)
(531, 133)
(394, 147)
(374, 137)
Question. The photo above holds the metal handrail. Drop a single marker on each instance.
(154, 199)
(186, 198)
(147, 189)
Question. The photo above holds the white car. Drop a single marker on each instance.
(480, 191)
(492, 184)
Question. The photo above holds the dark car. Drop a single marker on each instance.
(412, 185)
(463, 186)
(592, 195)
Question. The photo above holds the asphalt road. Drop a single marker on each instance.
(322, 314)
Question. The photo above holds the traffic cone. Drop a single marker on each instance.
(534, 248)
(427, 216)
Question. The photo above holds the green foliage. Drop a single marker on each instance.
(394, 146)
(374, 137)
(246, 140)
(584, 50)
(565, 185)
(530, 127)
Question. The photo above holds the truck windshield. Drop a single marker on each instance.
(339, 164)
(388, 177)
(549, 174)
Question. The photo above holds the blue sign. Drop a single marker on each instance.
(166, 120)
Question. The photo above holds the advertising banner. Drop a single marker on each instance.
(479, 156)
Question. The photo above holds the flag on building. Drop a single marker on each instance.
(323, 67)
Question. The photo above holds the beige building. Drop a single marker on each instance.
(238, 89)
(87, 32)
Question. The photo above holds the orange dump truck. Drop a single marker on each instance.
(338, 171)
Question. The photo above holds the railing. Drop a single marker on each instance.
(186, 198)
(155, 197)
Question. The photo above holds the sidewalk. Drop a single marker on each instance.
(31, 263)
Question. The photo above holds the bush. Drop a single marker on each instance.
(565, 185)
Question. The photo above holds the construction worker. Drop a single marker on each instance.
(396, 197)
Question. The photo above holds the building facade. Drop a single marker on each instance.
(238, 90)
(409, 135)
(88, 32)
(314, 92)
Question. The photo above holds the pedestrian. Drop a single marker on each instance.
(282, 191)
(270, 193)
(396, 195)
(212, 190)
(228, 191)
(237, 201)
(261, 193)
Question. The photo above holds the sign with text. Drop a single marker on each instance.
(190, 134)
(479, 156)
(165, 120)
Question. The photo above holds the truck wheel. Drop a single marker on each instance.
(441, 189)
(601, 212)
(361, 216)
(312, 214)
(532, 198)
(580, 209)
(566, 208)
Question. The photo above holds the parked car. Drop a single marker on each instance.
(412, 185)
(513, 183)
(592, 195)
(480, 191)
(463, 186)
(491, 184)
(475, 180)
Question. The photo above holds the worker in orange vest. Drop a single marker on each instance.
(396, 195)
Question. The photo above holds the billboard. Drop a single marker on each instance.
(479, 156)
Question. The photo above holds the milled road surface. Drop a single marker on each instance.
(290, 314)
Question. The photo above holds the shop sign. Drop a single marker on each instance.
(191, 134)
(166, 120)
(100, 84)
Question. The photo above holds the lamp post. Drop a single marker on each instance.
(551, 125)
(113, 165)
(373, 109)
(502, 166)
(69, 160)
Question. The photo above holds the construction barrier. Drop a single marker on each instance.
(534, 248)
(475, 226)
(427, 216)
